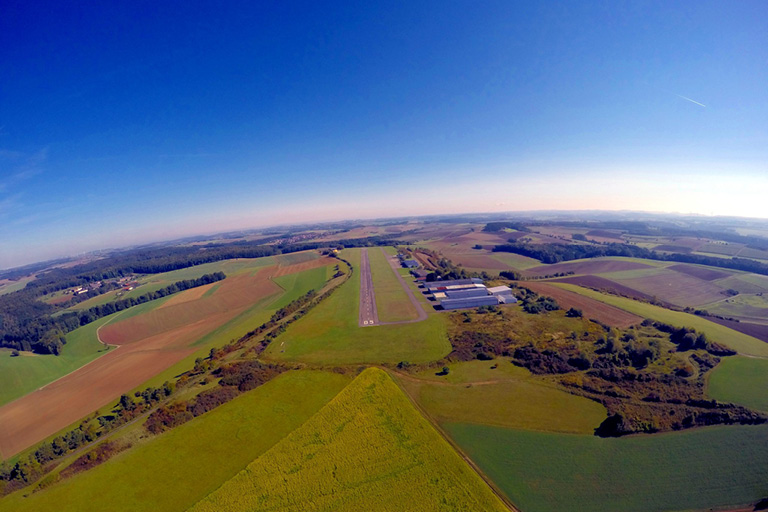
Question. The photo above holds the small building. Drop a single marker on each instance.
(410, 263)
(469, 302)
(419, 275)
(504, 294)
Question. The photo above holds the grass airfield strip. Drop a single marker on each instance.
(329, 333)
(368, 449)
(174, 470)
(692, 470)
(392, 303)
(740, 342)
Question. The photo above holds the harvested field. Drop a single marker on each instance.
(605, 313)
(301, 267)
(726, 249)
(187, 295)
(296, 257)
(758, 331)
(149, 344)
(600, 283)
(593, 266)
(677, 288)
(673, 248)
(705, 273)
(604, 233)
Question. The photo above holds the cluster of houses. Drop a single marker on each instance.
(468, 293)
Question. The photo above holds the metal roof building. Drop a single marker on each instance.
(410, 263)
(469, 302)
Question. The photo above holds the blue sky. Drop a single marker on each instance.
(123, 122)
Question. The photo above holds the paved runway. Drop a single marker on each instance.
(368, 314)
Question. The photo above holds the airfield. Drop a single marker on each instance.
(374, 376)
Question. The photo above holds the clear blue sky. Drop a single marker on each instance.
(128, 121)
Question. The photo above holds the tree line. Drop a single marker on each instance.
(27, 324)
(556, 253)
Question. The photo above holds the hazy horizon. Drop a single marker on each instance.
(132, 123)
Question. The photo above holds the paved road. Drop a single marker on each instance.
(368, 314)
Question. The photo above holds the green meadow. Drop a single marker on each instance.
(368, 449)
(737, 341)
(329, 333)
(740, 380)
(695, 469)
(174, 470)
(392, 303)
(506, 396)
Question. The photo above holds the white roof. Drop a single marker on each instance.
(500, 290)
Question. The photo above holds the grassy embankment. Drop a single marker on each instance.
(329, 334)
(737, 341)
(173, 471)
(697, 469)
(501, 394)
(368, 449)
(392, 303)
(740, 380)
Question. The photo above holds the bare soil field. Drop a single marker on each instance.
(601, 283)
(148, 344)
(187, 296)
(707, 274)
(591, 308)
(673, 248)
(758, 331)
(677, 288)
(604, 233)
(595, 266)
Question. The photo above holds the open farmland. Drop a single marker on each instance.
(605, 313)
(329, 333)
(501, 394)
(701, 272)
(737, 341)
(740, 380)
(696, 469)
(172, 471)
(677, 288)
(601, 283)
(148, 343)
(368, 449)
(589, 266)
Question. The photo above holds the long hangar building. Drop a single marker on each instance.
(468, 293)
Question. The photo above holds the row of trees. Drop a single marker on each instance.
(556, 253)
(28, 324)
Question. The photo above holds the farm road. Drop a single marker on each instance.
(368, 313)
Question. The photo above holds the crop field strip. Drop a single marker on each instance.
(368, 449)
(172, 471)
(591, 308)
(149, 344)
(740, 342)
(329, 334)
(395, 303)
(691, 470)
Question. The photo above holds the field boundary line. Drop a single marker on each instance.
(504, 499)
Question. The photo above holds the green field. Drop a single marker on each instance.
(516, 261)
(23, 374)
(368, 449)
(172, 471)
(296, 285)
(13, 286)
(737, 341)
(740, 380)
(329, 333)
(507, 396)
(697, 469)
(392, 303)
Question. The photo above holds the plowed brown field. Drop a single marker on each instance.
(586, 267)
(591, 308)
(148, 344)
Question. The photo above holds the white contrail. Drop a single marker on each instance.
(692, 101)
